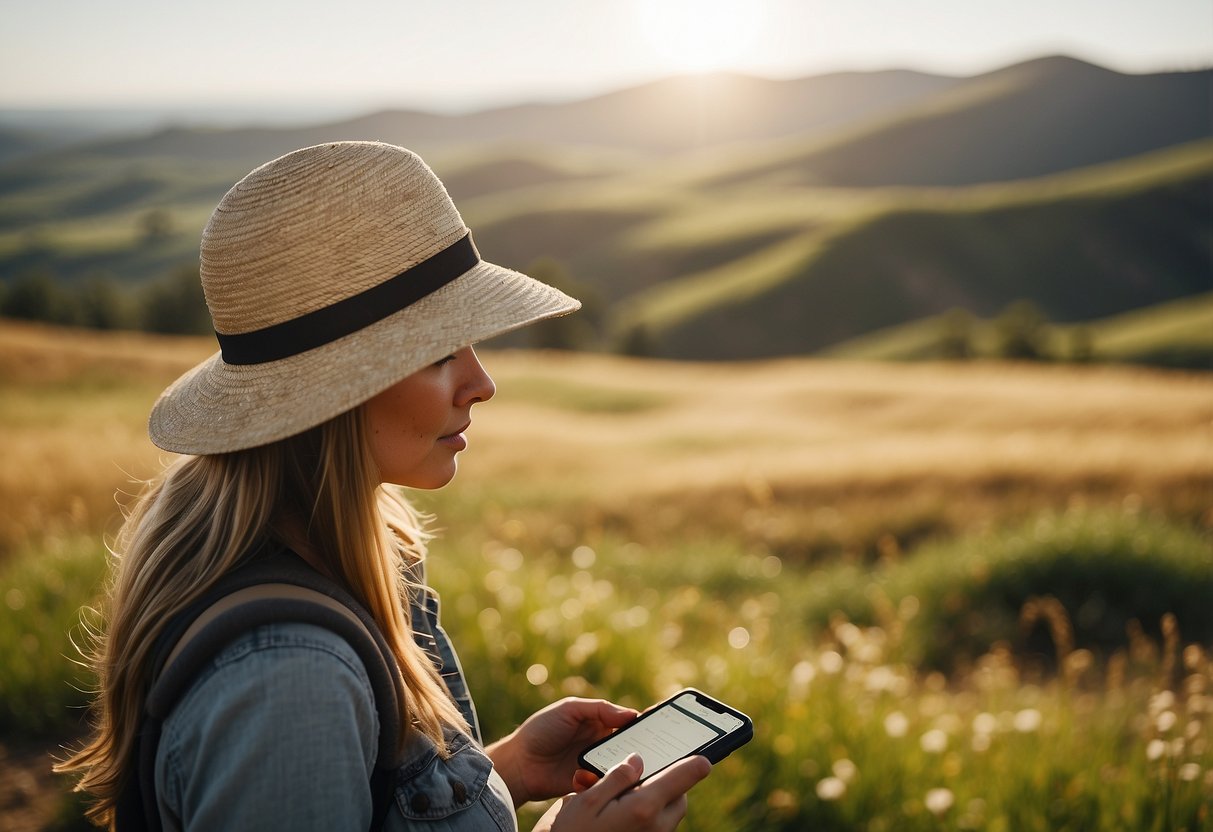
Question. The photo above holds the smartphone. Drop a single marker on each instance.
(689, 722)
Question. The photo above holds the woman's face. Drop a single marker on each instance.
(417, 425)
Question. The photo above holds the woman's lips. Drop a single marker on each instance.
(456, 440)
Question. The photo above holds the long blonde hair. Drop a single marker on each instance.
(201, 518)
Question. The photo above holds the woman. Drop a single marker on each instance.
(346, 294)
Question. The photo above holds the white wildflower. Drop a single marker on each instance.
(896, 724)
(844, 770)
(934, 741)
(1161, 701)
(939, 801)
(985, 723)
(831, 788)
(1027, 720)
(831, 662)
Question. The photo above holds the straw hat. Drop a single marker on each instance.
(332, 273)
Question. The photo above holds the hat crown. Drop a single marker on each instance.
(319, 225)
(332, 273)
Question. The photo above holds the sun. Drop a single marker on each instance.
(701, 35)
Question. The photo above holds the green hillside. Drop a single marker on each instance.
(1179, 333)
(756, 270)
(1081, 247)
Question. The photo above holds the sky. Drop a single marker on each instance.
(459, 55)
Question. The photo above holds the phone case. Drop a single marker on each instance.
(715, 751)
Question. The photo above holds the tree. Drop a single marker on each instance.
(103, 305)
(175, 304)
(156, 225)
(37, 296)
(1022, 332)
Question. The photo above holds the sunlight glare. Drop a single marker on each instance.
(701, 35)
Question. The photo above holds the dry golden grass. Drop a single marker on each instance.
(73, 410)
(797, 422)
(797, 440)
(40, 354)
(807, 457)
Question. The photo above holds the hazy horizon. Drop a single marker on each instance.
(279, 113)
(271, 57)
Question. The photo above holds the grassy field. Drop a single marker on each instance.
(950, 596)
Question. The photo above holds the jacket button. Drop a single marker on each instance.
(459, 790)
(420, 802)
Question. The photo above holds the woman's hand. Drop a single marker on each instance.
(612, 804)
(539, 759)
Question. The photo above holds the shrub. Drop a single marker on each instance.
(1106, 570)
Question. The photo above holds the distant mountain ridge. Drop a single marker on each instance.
(853, 129)
(1029, 120)
(674, 114)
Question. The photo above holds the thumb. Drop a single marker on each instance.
(617, 781)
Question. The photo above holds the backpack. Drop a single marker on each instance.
(276, 586)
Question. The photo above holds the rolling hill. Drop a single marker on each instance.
(1131, 235)
(731, 217)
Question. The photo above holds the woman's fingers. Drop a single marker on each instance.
(678, 778)
(616, 804)
(583, 779)
(661, 802)
(616, 781)
(615, 716)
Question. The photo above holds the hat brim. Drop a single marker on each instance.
(219, 408)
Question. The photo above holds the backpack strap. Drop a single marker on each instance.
(279, 587)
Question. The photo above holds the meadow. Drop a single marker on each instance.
(951, 596)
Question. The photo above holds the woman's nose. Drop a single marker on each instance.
(478, 385)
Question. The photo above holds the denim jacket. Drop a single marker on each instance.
(280, 731)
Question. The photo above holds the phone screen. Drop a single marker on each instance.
(664, 736)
